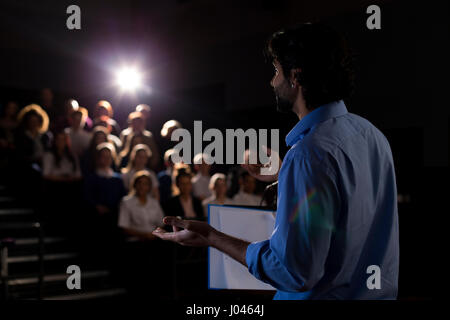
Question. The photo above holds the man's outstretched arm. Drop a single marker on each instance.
(201, 234)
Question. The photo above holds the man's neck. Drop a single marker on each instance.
(300, 108)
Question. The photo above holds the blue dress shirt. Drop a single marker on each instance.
(336, 213)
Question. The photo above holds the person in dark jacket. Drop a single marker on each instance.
(184, 204)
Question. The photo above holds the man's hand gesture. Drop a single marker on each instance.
(194, 233)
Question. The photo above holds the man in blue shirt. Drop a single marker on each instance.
(336, 229)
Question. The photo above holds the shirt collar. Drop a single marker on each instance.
(320, 114)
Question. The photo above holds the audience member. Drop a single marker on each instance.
(104, 109)
(200, 182)
(165, 177)
(246, 196)
(218, 185)
(136, 122)
(184, 204)
(79, 137)
(140, 212)
(139, 161)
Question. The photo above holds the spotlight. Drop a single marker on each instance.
(128, 79)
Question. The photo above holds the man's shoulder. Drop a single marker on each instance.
(328, 137)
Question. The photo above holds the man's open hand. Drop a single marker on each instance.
(194, 233)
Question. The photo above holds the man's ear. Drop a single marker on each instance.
(293, 79)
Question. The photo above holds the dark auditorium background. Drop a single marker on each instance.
(204, 61)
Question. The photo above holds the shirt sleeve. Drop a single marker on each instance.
(124, 215)
(293, 259)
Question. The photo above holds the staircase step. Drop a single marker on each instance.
(26, 280)
(98, 294)
(35, 241)
(18, 229)
(16, 211)
(47, 257)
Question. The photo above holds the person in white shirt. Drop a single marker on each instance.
(79, 138)
(246, 196)
(139, 160)
(218, 185)
(200, 182)
(143, 254)
(140, 213)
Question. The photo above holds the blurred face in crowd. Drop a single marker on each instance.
(185, 185)
(34, 123)
(76, 118)
(104, 159)
(220, 188)
(141, 159)
(11, 109)
(104, 123)
(143, 186)
(100, 137)
(138, 124)
(102, 111)
(60, 141)
(249, 184)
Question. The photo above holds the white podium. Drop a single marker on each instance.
(244, 223)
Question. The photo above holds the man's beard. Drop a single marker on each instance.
(284, 102)
(283, 105)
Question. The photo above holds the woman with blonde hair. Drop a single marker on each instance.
(32, 139)
(99, 135)
(139, 161)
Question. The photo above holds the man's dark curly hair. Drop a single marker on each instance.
(322, 55)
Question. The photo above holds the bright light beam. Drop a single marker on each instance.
(128, 79)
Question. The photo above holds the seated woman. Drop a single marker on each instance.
(124, 156)
(218, 185)
(99, 135)
(140, 213)
(79, 136)
(184, 204)
(62, 181)
(60, 164)
(140, 160)
(143, 255)
(103, 191)
(246, 195)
